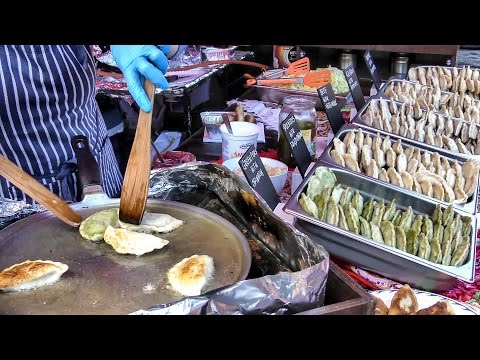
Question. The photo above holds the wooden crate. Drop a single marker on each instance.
(343, 296)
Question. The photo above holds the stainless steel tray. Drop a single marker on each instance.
(380, 258)
(358, 119)
(470, 206)
(276, 94)
(381, 92)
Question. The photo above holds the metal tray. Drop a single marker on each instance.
(358, 119)
(380, 258)
(276, 95)
(470, 206)
(381, 92)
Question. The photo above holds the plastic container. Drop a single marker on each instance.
(245, 134)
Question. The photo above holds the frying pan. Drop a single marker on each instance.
(101, 281)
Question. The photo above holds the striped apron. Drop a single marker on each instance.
(47, 95)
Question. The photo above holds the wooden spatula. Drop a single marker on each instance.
(38, 192)
(133, 198)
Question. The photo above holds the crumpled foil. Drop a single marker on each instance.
(11, 211)
(289, 271)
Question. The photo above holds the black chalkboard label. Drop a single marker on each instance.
(297, 144)
(330, 104)
(354, 86)
(257, 176)
(373, 69)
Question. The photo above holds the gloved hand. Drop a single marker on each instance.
(137, 62)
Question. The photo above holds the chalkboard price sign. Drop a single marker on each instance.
(373, 69)
(257, 176)
(354, 86)
(330, 104)
(297, 144)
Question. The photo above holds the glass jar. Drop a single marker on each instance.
(303, 108)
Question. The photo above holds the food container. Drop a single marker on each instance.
(172, 158)
(244, 135)
(278, 178)
(214, 53)
(359, 120)
(276, 94)
(213, 119)
(399, 64)
(347, 58)
(376, 257)
(470, 206)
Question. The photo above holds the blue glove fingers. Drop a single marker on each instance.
(135, 87)
(152, 73)
(159, 59)
(165, 49)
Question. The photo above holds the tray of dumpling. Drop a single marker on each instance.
(460, 105)
(452, 79)
(381, 228)
(449, 179)
(424, 128)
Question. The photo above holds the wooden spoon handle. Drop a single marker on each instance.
(133, 198)
(38, 192)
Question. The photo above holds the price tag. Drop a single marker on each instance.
(297, 144)
(373, 69)
(330, 105)
(354, 86)
(257, 176)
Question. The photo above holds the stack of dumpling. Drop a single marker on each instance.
(413, 122)
(443, 238)
(454, 80)
(411, 168)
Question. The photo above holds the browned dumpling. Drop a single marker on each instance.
(380, 307)
(440, 308)
(404, 302)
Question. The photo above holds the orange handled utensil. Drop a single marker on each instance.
(312, 79)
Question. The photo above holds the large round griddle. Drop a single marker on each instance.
(101, 281)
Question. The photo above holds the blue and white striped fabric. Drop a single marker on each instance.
(47, 96)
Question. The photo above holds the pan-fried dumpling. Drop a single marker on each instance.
(470, 169)
(366, 156)
(131, 242)
(412, 166)
(397, 147)
(339, 146)
(401, 162)
(337, 157)
(386, 144)
(367, 140)
(404, 302)
(377, 142)
(379, 157)
(154, 222)
(191, 275)
(31, 274)
(391, 157)
(359, 139)
(394, 177)
(450, 178)
(407, 180)
(308, 205)
(382, 175)
(372, 169)
(351, 162)
(438, 192)
(94, 226)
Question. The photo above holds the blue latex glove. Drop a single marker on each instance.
(167, 48)
(137, 62)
